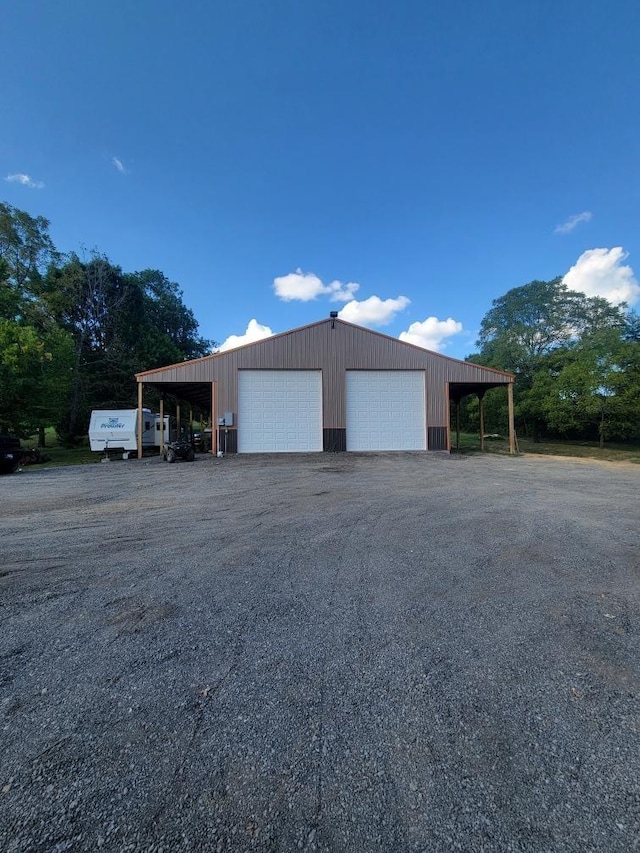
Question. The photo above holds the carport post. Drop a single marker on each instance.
(481, 408)
(457, 424)
(139, 426)
(214, 421)
(161, 423)
(512, 427)
(178, 423)
(448, 410)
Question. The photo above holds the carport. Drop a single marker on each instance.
(200, 396)
(458, 390)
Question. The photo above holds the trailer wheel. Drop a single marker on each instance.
(190, 455)
(170, 455)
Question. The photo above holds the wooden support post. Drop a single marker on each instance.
(140, 424)
(161, 423)
(481, 407)
(512, 427)
(178, 423)
(213, 421)
(458, 425)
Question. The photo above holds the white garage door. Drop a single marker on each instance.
(386, 410)
(279, 411)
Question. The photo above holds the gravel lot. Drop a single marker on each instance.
(384, 652)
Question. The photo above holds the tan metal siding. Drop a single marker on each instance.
(334, 351)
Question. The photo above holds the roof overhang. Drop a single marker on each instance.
(196, 394)
(458, 390)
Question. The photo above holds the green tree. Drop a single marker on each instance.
(10, 296)
(75, 332)
(529, 322)
(96, 305)
(169, 333)
(34, 352)
(25, 246)
(120, 324)
(529, 328)
(597, 389)
(632, 327)
(34, 375)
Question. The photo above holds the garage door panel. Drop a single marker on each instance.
(386, 410)
(279, 411)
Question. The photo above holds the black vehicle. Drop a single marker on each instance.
(10, 454)
(181, 448)
(202, 440)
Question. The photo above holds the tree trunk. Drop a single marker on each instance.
(535, 431)
(41, 437)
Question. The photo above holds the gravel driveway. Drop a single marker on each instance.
(383, 652)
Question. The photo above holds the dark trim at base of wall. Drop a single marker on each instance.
(231, 438)
(334, 440)
(437, 438)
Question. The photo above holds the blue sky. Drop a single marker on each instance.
(270, 155)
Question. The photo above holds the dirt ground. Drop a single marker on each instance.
(384, 652)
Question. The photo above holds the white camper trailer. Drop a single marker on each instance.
(117, 429)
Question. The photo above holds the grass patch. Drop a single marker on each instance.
(470, 443)
(60, 455)
(611, 452)
(66, 456)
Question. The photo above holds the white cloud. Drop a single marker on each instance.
(305, 286)
(373, 311)
(255, 332)
(573, 221)
(25, 180)
(119, 165)
(431, 333)
(600, 272)
(342, 292)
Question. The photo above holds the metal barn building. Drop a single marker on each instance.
(330, 385)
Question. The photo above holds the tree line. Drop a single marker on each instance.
(576, 361)
(74, 330)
